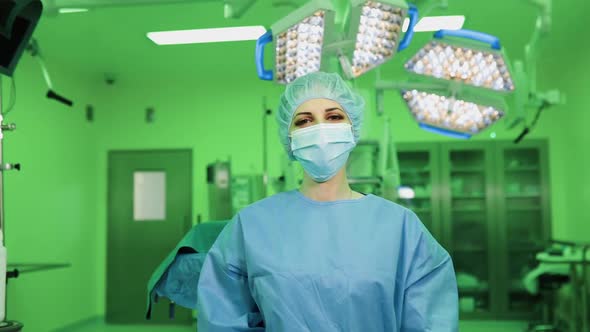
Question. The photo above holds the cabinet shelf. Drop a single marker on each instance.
(422, 197)
(523, 195)
(521, 249)
(469, 249)
(467, 210)
(466, 169)
(415, 170)
(523, 208)
(522, 169)
(516, 286)
(462, 196)
(473, 290)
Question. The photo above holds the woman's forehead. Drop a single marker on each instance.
(317, 104)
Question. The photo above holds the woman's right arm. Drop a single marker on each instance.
(224, 300)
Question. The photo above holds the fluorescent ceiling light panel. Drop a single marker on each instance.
(435, 23)
(72, 10)
(206, 35)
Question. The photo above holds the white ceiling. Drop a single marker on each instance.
(111, 36)
(234, 8)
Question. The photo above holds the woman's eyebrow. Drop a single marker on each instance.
(326, 110)
(333, 108)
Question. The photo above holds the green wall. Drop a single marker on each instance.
(56, 207)
(51, 205)
(218, 120)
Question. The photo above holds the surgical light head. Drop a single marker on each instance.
(472, 69)
(378, 29)
(450, 59)
(333, 36)
(318, 85)
(448, 115)
(298, 41)
(299, 48)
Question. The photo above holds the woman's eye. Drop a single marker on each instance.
(335, 117)
(302, 122)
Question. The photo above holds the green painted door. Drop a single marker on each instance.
(149, 211)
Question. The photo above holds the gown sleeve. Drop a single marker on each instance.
(179, 283)
(224, 299)
(431, 296)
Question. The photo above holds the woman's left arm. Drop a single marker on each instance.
(431, 296)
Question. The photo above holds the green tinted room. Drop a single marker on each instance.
(204, 105)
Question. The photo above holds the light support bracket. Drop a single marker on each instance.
(527, 96)
(493, 41)
(265, 39)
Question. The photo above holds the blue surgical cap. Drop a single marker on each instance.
(318, 85)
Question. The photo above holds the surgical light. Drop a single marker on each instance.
(449, 115)
(378, 32)
(206, 35)
(360, 39)
(299, 42)
(299, 49)
(484, 67)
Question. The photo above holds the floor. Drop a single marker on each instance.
(98, 325)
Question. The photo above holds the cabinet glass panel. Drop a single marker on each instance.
(362, 165)
(470, 234)
(472, 277)
(469, 245)
(524, 220)
(415, 169)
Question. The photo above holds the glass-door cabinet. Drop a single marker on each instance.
(524, 216)
(467, 202)
(419, 172)
(487, 203)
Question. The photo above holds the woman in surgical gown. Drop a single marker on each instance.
(325, 258)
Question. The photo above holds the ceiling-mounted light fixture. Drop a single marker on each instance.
(298, 42)
(364, 36)
(449, 115)
(453, 56)
(377, 27)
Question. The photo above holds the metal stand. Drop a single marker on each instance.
(3, 283)
(6, 326)
(578, 262)
(12, 326)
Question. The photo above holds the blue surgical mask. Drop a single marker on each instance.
(323, 149)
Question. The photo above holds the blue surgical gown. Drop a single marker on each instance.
(289, 263)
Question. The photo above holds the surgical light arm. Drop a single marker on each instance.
(33, 48)
(389, 162)
(542, 27)
(527, 94)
